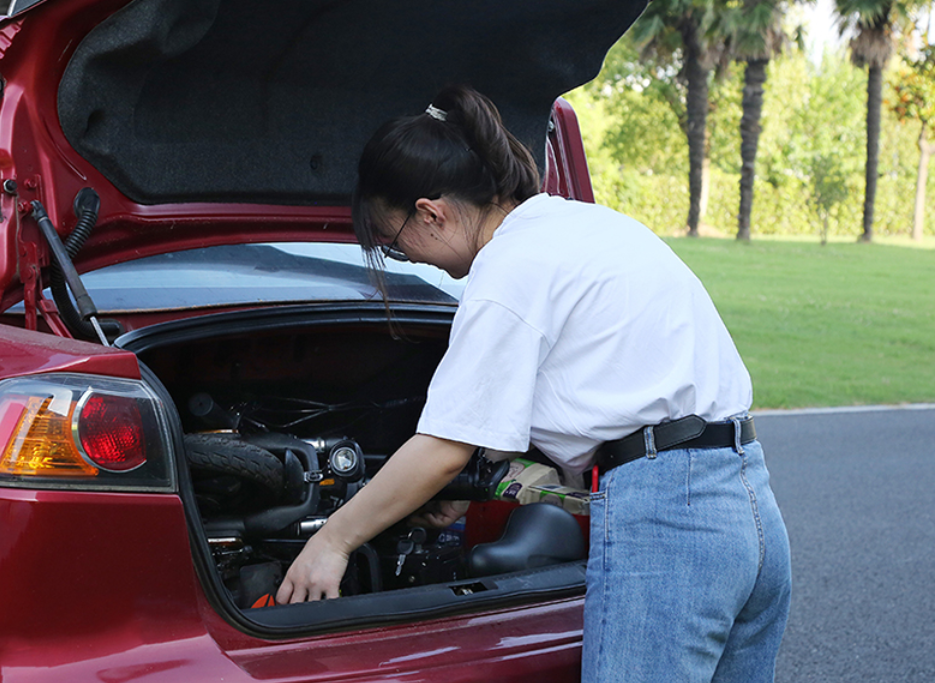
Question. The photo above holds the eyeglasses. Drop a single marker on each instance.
(390, 250)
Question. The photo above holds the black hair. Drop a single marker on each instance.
(469, 157)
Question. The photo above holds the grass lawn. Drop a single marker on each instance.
(835, 325)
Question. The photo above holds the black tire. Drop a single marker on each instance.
(222, 454)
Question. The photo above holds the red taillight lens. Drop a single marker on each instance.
(110, 429)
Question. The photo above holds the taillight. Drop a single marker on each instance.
(110, 431)
(83, 431)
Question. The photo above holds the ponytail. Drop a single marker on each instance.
(510, 162)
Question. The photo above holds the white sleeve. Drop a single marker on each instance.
(482, 391)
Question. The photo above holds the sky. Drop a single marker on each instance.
(821, 31)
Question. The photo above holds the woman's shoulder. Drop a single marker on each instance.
(550, 239)
(549, 225)
(543, 210)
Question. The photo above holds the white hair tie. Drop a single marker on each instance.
(436, 113)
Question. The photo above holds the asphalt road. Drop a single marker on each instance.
(857, 491)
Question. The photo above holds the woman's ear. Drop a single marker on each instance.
(432, 212)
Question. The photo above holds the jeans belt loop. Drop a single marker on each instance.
(738, 436)
(649, 439)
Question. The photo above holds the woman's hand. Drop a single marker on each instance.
(440, 513)
(315, 574)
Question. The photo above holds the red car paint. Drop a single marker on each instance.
(73, 615)
(24, 352)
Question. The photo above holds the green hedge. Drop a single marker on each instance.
(661, 202)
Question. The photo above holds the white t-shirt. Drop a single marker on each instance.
(578, 326)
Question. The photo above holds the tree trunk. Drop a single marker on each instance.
(918, 217)
(705, 173)
(705, 188)
(874, 99)
(754, 77)
(697, 110)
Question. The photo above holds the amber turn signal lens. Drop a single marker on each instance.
(38, 438)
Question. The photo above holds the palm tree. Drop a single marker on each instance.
(756, 35)
(914, 100)
(875, 23)
(686, 33)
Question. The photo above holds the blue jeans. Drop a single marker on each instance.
(688, 578)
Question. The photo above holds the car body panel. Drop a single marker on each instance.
(488, 646)
(54, 541)
(142, 615)
(24, 352)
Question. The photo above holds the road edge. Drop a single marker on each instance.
(841, 409)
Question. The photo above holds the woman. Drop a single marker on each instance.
(577, 327)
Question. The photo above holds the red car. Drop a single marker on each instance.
(195, 369)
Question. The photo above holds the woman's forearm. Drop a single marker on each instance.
(415, 473)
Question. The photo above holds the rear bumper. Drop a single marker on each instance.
(101, 586)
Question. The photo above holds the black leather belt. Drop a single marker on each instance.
(686, 432)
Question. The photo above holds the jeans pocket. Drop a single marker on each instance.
(598, 511)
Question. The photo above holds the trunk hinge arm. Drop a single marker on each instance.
(34, 300)
(30, 273)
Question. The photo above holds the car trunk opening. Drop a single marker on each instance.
(275, 407)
